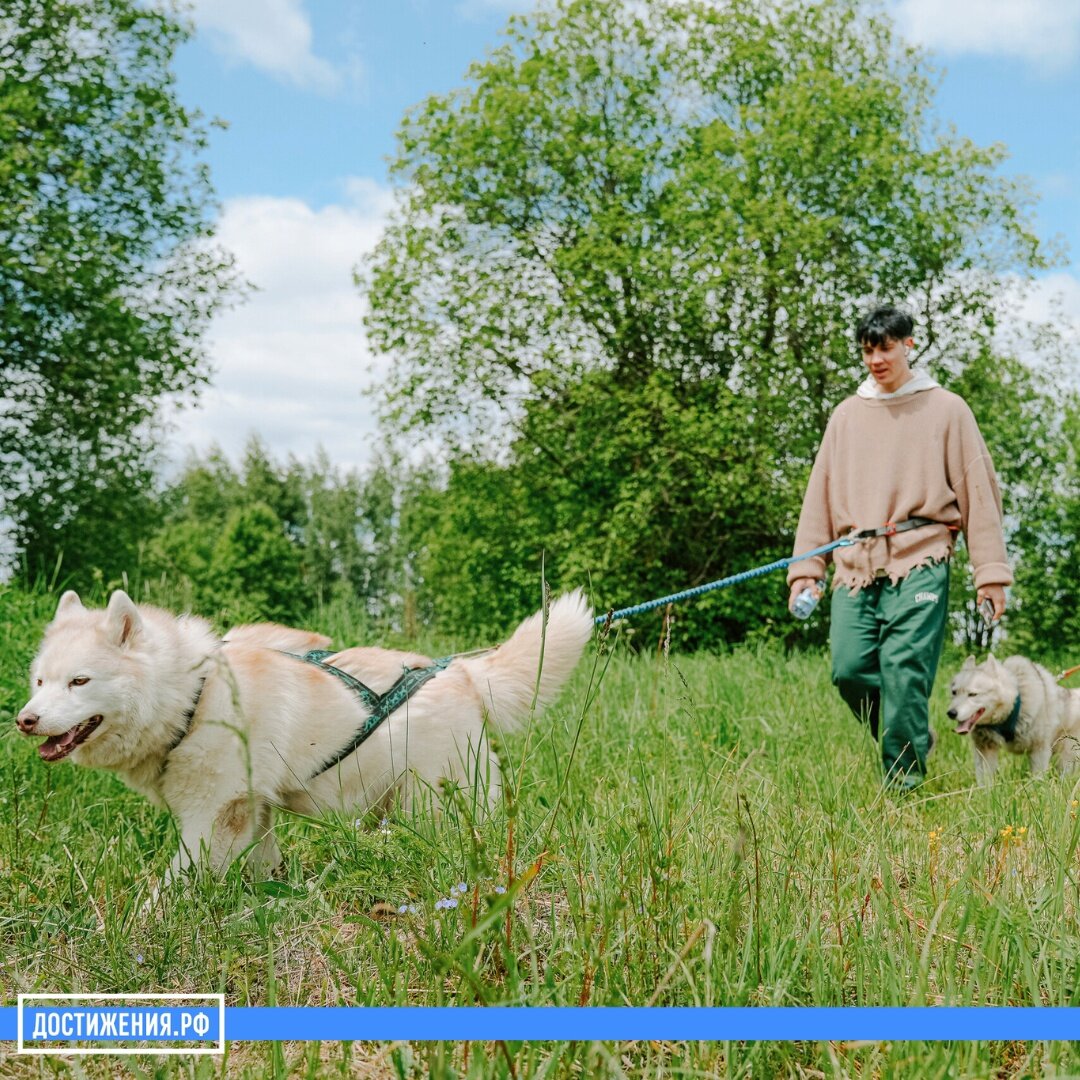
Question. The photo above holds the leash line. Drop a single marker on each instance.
(734, 579)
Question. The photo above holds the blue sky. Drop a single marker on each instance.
(312, 92)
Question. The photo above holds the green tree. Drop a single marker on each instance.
(255, 569)
(1028, 416)
(628, 254)
(1046, 617)
(196, 556)
(347, 533)
(106, 276)
(176, 561)
(342, 529)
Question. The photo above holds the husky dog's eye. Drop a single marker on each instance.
(39, 682)
(81, 680)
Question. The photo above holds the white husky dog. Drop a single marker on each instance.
(1015, 705)
(221, 732)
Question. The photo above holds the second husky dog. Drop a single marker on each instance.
(1018, 706)
(220, 733)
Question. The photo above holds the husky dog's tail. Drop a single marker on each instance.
(507, 677)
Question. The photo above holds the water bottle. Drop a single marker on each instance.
(805, 602)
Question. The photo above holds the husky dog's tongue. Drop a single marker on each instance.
(965, 726)
(56, 747)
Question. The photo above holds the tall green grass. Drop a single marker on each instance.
(690, 830)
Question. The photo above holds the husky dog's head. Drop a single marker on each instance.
(980, 694)
(82, 679)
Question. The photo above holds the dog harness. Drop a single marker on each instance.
(1007, 728)
(381, 706)
(189, 716)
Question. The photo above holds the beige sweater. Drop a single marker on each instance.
(890, 459)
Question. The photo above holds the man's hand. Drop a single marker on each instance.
(797, 586)
(996, 595)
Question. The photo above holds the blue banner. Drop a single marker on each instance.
(630, 1024)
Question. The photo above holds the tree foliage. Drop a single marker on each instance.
(1028, 418)
(106, 276)
(627, 257)
(272, 540)
(1047, 537)
(255, 570)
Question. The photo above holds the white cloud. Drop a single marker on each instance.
(272, 35)
(292, 363)
(1040, 31)
(1053, 297)
(1051, 301)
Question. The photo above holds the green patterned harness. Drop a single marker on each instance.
(380, 705)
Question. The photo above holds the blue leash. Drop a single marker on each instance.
(746, 575)
(380, 706)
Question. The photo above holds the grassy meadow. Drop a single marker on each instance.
(682, 830)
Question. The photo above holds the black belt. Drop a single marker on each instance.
(1007, 728)
(189, 717)
(892, 528)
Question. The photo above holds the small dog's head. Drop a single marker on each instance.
(80, 678)
(978, 693)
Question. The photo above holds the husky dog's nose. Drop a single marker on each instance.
(951, 714)
(27, 721)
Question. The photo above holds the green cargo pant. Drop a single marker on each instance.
(886, 642)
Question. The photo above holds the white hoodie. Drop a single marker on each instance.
(920, 380)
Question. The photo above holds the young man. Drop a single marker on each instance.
(902, 459)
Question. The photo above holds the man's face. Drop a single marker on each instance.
(888, 363)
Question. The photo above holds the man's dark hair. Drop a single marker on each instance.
(884, 324)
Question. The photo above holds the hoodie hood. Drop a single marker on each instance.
(920, 380)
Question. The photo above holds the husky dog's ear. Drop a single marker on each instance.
(968, 664)
(122, 619)
(69, 602)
